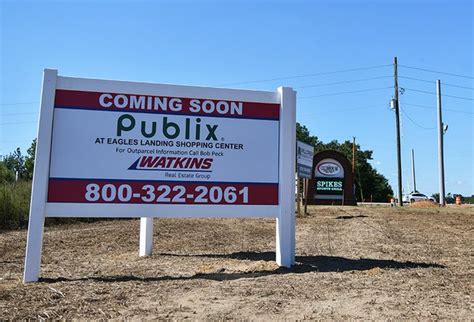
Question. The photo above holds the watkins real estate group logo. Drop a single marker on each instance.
(159, 163)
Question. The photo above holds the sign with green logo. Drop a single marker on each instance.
(332, 181)
(329, 186)
(124, 149)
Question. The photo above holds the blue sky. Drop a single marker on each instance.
(236, 42)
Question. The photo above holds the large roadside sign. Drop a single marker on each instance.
(329, 177)
(126, 149)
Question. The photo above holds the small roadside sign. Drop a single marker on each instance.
(304, 159)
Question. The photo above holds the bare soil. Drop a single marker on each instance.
(352, 262)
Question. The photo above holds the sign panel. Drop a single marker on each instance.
(304, 159)
(154, 149)
(329, 179)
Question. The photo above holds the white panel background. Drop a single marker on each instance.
(75, 155)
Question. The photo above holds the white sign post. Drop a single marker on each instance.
(125, 149)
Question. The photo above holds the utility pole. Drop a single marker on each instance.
(354, 160)
(353, 170)
(413, 169)
(397, 120)
(298, 195)
(441, 130)
(353, 154)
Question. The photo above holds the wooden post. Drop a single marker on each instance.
(298, 195)
(306, 189)
(397, 123)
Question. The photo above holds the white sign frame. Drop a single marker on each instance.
(284, 212)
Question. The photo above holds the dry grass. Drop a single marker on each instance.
(424, 204)
(376, 263)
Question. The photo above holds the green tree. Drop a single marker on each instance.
(449, 198)
(30, 160)
(469, 200)
(15, 162)
(6, 175)
(303, 135)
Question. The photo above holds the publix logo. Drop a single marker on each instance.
(329, 168)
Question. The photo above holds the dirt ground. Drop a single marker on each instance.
(352, 262)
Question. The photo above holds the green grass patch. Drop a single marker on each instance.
(14, 204)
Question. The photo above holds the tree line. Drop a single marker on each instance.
(370, 185)
(18, 166)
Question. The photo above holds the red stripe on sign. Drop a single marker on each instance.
(163, 104)
(152, 192)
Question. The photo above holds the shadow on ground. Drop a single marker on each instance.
(304, 264)
(350, 216)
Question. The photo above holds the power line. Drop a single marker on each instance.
(444, 109)
(354, 108)
(343, 82)
(306, 75)
(457, 111)
(437, 72)
(16, 141)
(411, 120)
(350, 92)
(10, 114)
(444, 95)
(433, 82)
(19, 103)
(10, 123)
